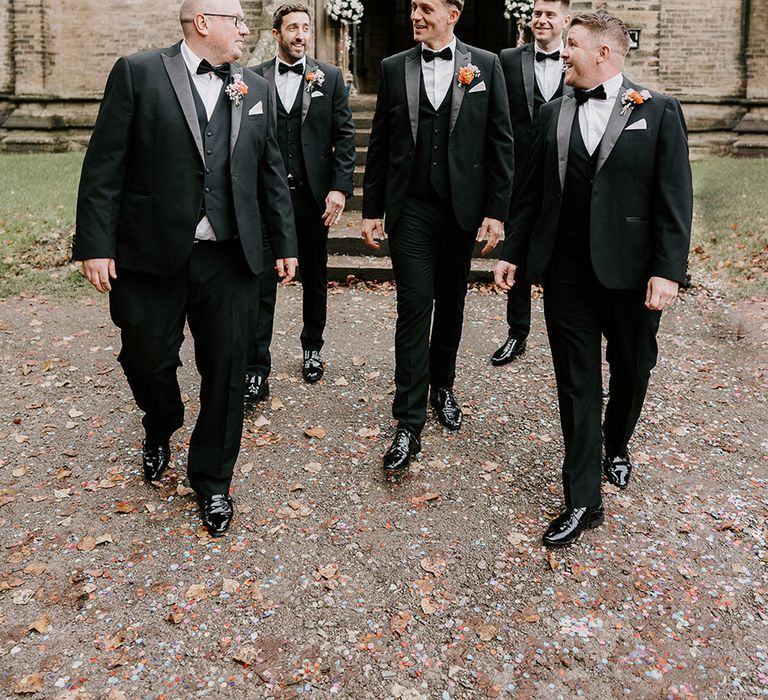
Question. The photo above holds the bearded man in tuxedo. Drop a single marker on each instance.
(440, 165)
(534, 76)
(317, 141)
(604, 221)
(181, 181)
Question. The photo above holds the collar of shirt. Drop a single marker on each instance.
(611, 87)
(191, 59)
(537, 48)
(595, 114)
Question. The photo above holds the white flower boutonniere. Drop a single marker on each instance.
(315, 79)
(467, 74)
(632, 98)
(237, 89)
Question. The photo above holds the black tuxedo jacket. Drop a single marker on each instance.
(517, 65)
(642, 197)
(481, 150)
(141, 184)
(327, 130)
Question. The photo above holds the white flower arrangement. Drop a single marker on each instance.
(519, 10)
(345, 11)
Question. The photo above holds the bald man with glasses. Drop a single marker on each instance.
(182, 180)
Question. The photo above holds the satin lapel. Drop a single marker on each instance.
(179, 75)
(567, 89)
(564, 126)
(457, 96)
(269, 76)
(306, 95)
(236, 112)
(412, 83)
(529, 75)
(616, 124)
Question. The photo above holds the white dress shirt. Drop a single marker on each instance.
(208, 86)
(289, 84)
(438, 75)
(548, 73)
(594, 114)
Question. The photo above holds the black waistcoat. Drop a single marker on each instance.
(216, 198)
(430, 175)
(289, 139)
(538, 98)
(573, 229)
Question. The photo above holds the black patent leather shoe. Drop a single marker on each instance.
(513, 347)
(256, 390)
(155, 459)
(617, 470)
(313, 368)
(448, 410)
(404, 446)
(217, 512)
(568, 526)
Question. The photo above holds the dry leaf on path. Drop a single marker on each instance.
(399, 623)
(316, 432)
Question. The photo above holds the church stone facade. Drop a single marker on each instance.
(55, 56)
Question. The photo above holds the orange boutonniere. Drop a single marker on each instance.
(467, 74)
(315, 79)
(632, 98)
(237, 89)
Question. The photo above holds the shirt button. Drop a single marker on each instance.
(207, 189)
(434, 164)
(210, 133)
(434, 148)
(209, 152)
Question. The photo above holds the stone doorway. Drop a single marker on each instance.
(386, 30)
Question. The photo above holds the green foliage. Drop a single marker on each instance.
(730, 236)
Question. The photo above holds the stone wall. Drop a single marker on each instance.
(55, 56)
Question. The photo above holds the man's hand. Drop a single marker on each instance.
(334, 207)
(286, 269)
(371, 229)
(99, 271)
(504, 275)
(661, 293)
(490, 230)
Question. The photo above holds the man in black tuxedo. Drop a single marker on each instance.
(181, 180)
(604, 220)
(534, 76)
(317, 141)
(440, 164)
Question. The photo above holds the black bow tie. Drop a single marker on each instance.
(428, 55)
(222, 71)
(541, 56)
(582, 96)
(284, 68)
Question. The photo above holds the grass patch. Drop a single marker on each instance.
(730, 233)
(38, 193)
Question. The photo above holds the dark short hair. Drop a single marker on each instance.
(286, 9)
(564, 4)
(607, 27)
(458, 4)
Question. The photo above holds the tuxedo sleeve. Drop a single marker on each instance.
(526, 208)
(500, 148)
(673, 195)
(343, 140)
(274, 196)
(102, 177)
(377, 161)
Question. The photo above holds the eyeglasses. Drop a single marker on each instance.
(239, 20)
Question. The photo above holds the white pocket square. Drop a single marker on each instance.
(480, 87)
(258, 108)
(317, 93)
(639, 124)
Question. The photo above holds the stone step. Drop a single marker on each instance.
(362, 137)
(362, 120)
(373, 268)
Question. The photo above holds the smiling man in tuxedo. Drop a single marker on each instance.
(604, 220)
(440, 165)
(181, 181)
(534, 76)
(317, 141)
